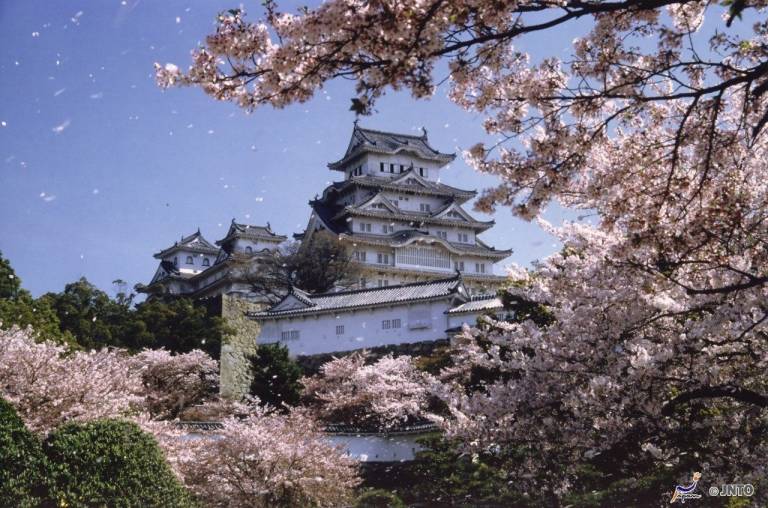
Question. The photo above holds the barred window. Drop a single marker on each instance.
(395, 323)
(424, 256)
(386, 324)
(339, 329)
(289, 335)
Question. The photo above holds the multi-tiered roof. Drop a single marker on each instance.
(382, 171)
(389, 143)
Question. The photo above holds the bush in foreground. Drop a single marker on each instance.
(112, 463)
(22, 463)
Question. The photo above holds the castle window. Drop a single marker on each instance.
(382, 258)
(360, 255)
(458, 265)
(425, 207)
(339, 329)
(365, 227)
(386, 324)
(424, 256)
(362, 282)
(442, 234)
(480, 267)
(396, 323)
(402, 168)
(463, 238)
(387, 228)
(391, 168)
(382, 283)
(421, 171)
(189, 260)
(249, 250)
(289, 335)
(206, 262)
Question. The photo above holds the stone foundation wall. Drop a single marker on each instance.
(235, 369)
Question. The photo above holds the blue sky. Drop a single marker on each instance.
(99, 169)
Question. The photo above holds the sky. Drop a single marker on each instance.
(100, 169)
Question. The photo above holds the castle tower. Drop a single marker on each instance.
(401, 223)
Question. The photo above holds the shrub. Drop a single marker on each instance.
(110, 462)
(379, 498)
(22, 463)
(275, 376)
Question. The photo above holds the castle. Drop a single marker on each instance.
(401, 222)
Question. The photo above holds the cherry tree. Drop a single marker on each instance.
(49, 385)
(651, 324)
(173, 383)
(382, 394)
(265, 459)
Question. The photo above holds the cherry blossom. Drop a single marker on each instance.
(175, 382)
(49, 385)
(382, 394)
(649, 327)
(266, 459)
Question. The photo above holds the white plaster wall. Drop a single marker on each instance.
(372, 165)
(456, 320)
(197, 261)
(380, 448)
(362, 328)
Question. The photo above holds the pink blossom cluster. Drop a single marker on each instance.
(384, 393)
(655, 124)
(49, 385)
(266, 459)
(259, 458)
(175, 382)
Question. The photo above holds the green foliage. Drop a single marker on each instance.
(439, 359)
(110, 463)
(379, 498)
(22, 463)
(323, 263)
(10, 284)
(316, 266)
(180, 326)
(17, 307)
(24, 311)
(275, 376)
(441, 476)
(93, 318)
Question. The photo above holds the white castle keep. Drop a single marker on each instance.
(423, 268)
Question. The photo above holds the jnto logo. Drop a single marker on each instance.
(684, 492)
